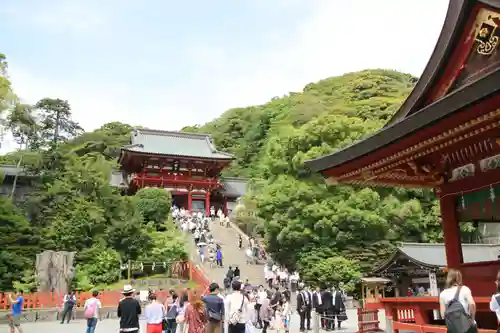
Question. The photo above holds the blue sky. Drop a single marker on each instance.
(167, 64)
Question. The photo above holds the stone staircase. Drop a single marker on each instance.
(232, 256)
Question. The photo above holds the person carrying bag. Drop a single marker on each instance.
(457, 306)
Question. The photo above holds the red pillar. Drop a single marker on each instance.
(207, 203)
(451, 232)
(224, 209)
(190, 201)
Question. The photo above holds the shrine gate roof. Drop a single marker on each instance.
(432, 255)
(148, 141)
(457, 76)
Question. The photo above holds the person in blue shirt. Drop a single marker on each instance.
(17, 303)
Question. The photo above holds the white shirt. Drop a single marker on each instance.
(233, 305)
(494, 306)
(92, 301)
(261, 296)
(154, 313)
(317, 294)
(447, 295)
(294, 277)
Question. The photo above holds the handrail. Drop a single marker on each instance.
(415, 313)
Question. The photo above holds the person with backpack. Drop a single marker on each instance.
(91, 311)
(69, 302)
(457, 306)
(214, 305)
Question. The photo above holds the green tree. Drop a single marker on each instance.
(19, 245)
(55, 122)
(154, 204)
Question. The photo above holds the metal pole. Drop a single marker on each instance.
(14, 185)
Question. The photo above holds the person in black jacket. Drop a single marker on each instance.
(317, 303)
(328, 310)
(129, 311)
(304, 306)
(339, 307)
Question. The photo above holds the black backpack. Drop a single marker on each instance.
(456, 318)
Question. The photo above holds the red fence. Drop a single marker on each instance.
(368, 320)
(197, 276)
(415, 314)
(47, 300)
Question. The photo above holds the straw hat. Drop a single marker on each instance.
(127, 289)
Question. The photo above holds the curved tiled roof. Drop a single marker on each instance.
(414, 115)
(433, 255)
(170, 143)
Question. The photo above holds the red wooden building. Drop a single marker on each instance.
(445, 136)
(186, 164)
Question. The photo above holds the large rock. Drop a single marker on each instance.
(55, 271)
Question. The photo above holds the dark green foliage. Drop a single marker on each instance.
(154, 205)
(19, 244)
(300, 217)
(73, 207)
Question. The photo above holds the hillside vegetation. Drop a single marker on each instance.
(73, 207)
(330, 234)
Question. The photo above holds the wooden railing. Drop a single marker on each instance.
(199, 278)
(416, 314)
(50, 300)
(368, 320)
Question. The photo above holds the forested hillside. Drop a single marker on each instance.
(72, 206)
(330, 233)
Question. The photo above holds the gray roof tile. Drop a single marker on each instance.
(434, 254)
(175, 144)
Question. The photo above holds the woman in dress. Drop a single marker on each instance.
(195, 317)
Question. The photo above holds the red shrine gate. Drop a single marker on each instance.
(186, 164)
(445, 136)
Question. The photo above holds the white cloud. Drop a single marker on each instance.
(337, 37)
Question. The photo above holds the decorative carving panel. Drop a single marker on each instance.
(484, 55)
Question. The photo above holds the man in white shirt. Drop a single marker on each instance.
(237, 310)
(261, 296)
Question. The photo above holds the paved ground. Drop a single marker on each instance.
(111, 326)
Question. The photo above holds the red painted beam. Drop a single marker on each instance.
(478, 182)
(179, 181)
(456, 63)
(457, 119)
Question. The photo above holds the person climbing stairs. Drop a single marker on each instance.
(233, 256)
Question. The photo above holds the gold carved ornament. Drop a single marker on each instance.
(486, 36)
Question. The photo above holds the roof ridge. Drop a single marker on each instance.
(442, 244)
(235, 178)
(172, 133)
